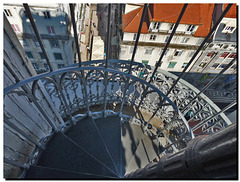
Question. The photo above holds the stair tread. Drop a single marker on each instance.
(39, 172)
(86, 135)
(62, 153)
(110, 130)
(145, 153)
(130, 136)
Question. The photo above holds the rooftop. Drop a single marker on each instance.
(232, 13)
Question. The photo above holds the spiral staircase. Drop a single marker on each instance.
(108, 119)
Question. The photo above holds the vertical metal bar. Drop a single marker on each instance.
(212, 81)
(107, 56)
(29, 14)
(200, 47)
(133, 55)
(75, 33)
(9, 123)
(137, 38)
(211, 117)
(108, 35)
(168, 42)
(165, 48)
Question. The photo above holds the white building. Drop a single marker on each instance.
(157, 27)
(54, 25)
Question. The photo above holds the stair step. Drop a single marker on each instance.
(110, 130)
(62, 153)
(130, 137)
(144, 154)
(86, 135)
(39, 172)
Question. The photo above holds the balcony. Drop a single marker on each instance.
(105, 119)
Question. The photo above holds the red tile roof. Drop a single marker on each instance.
(232, 13)
(206, 11)
(132, 20)
(170, 12)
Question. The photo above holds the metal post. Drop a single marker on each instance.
(200, 47)
(106, 64)
(75, 33)
(133, 55)
(137, 38)
(29, 14)
(211, 117)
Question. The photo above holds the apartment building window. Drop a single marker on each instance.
(166, 39)
(202, 65)
(36, 43)
(60, 66)
(234, 55)
(184, 65)
(215, 65)
(178, 53)
(16, 28)
(185, 39)
(46, 67)
(50, 30)
(153, 37)
(149, 51)
(223, 65)
(41, 55)
(156, 25)
(8, 12)
(35, 66)
(134, 36)
(224, 55)
(23, 43)
(190, 28)
(172, 64)
(46, 15)
(54, 43)
(145, 62)
(58, 56)
(29, 55)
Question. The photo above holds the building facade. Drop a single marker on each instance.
(54, 26)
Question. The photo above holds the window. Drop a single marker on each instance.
(203, 64)
(7, 12)
(16, 28)
(178, 53)
(36, 43)
(223, 65)
(23, 42)
(35, 65)
(145, 62)
(166, 38)
(54, 43)
(215, 65)
(190, 28)
(41, 55)
(134, 36)
(50, 30)
(224, 55)
(46, 15)
(149, 51)
(46, 67)
(190, 54)
(171, 26)
(172, 64)
(156, 25)
(185, 39)
(184, 65)
(29, 55)
(153, 37)
(58, 56)
(60, 66)
(228, 29)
